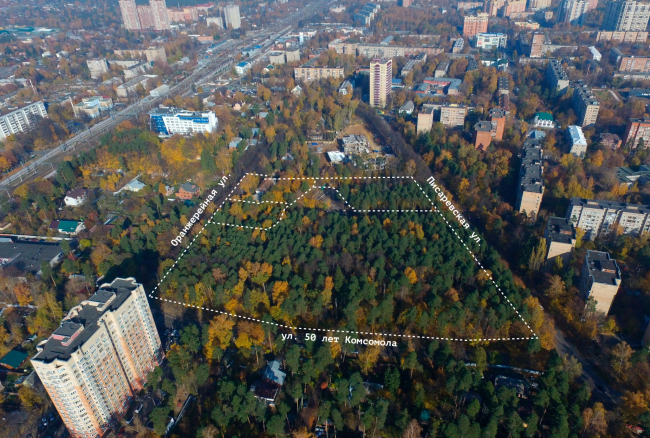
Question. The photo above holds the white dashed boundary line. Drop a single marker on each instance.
(283, 214)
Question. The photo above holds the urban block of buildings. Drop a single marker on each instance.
(622, 37)
(129, 88)
(600, 279)
(449, 114)
(531, 181)
(634, 64)
(560, 238)
(170, 121)
(21, 256)
(22, 120)
(99, 358)
(598, 218)
(93, 106)
(152, 54)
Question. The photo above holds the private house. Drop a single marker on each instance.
(76, 197)
(188, 190)
(268, 387)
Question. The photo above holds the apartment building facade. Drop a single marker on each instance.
(637, 133)
(475, 24)
(93, 364)
(600, 279)
(22, 120)
(626, 16)
(231, 14)
(425, 119)
(97, 67)
(381, 75)
(316, 73)
(573, 11)
(586, 105)
(531, 181)
(129, 12)
(598, 218)
(556, 76)
(160, 15)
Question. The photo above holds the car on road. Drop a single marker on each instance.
(139, 408)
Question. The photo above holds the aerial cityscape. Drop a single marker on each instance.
(329, 218)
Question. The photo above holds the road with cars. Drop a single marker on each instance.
(46, 164)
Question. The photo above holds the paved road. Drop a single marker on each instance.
(600, 389)
(47, 163)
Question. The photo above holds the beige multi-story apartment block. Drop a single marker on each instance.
(622, 37)
(585, 105)
(539, 4)
(129, 12)
(315, 73)
(598, 218)
(92, 365)
(475, 24)
(292, 55)
(600, 279)
(531, 181)
(452, 115)
(560, 238)
(152, 54)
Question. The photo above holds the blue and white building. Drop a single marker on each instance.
(242, 68)
(170, 121)
(491, 40)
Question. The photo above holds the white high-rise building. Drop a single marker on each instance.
(381, 81)
(21, 120)
(573, 11)
(99, 357)
(233, 19)
(129, 14)
(160, 16)
(626, 16)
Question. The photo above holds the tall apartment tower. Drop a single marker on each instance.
(145, 12)
(600, 279)
(160, 17)
(475, 24)
(99, 357)
(628, 16)
(381, 77)
(586, 105)
(537, 45)
(573, 11)
(129, 14)
(233, 19)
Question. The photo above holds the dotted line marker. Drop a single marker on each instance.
(283, 213)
